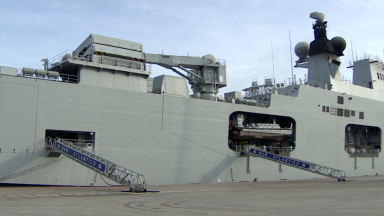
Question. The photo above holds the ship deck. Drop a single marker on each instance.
(355, 196)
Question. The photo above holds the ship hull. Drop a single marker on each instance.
(171, 140)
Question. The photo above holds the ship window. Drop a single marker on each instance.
(353, 113)
(327, 109)
(333, 111)
(378, 77)
(340, 100)
(340, 112)
(346, 113)
(323, 108)
(361, 115)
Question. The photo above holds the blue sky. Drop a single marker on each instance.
(240, 32)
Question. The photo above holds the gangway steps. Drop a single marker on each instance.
(293, 162)
(126, 177)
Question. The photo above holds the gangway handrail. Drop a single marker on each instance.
(126, 177)
(293, 162)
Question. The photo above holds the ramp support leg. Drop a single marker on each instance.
(373, 162)
(249, 164)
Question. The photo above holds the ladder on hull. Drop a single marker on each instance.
(126, 177)
(293, 162)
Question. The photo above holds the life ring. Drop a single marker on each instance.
(262, 103)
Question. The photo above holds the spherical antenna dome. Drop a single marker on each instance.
(339, 44)
(210, 59)
(302, 49)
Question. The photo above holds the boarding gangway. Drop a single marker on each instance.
(293, 162)
(128, 178)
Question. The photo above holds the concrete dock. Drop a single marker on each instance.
(355, 196)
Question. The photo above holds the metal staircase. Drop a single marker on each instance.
(293, 162)
(128, 178)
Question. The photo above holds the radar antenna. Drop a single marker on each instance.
(320, 25)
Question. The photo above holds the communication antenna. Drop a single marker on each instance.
(273, 64)
(290, 50)
(353, 58)
(46, 63)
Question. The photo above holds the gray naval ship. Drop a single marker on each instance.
(101, 99)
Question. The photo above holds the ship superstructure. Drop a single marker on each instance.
(101, 98)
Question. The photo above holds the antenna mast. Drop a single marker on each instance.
(273, 65)
(353, 58)
(290, 49)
